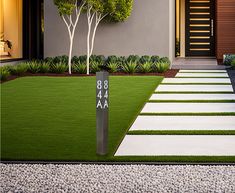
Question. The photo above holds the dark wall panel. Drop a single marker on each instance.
(225, 27)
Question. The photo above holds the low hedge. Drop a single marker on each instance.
(130, 64)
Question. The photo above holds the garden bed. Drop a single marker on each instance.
(116, 65)
(168, 74)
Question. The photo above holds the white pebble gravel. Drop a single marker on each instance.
(116, 178)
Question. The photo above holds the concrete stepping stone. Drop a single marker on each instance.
(202, 75)
(204, 71)
(196, 80)
(184, 123)
(194, 88)
(177, 145)
(189, 108)
(182, 97)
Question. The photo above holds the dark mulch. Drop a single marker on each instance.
(231, 73)
(169, 74)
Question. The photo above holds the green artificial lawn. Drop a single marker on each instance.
(181, 132)
(54, 118)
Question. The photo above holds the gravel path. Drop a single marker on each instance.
(116, 178)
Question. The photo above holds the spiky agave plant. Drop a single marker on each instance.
(145, 67)
(130, 67)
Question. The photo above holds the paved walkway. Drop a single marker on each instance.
(196, 100)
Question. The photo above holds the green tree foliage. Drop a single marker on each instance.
(123, 9)
(65, 7)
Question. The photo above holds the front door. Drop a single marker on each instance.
(200, 28)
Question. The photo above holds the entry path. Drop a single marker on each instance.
(195, 100)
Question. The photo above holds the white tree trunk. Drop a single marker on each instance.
(88, 49)
(71, 26)
(89, 22)
(90, 43)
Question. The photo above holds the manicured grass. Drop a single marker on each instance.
(192, 92)
(191, 101)
(191, 114)
(182, 132)
(196, 83)
(181, 159)
(53, 118)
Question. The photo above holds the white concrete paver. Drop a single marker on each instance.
(188, 108)
(183, 123)
(194, 88)
(201, 74)
(185, 145)
(204, 71)
(196, 80)
(204, 97)
(177, 145)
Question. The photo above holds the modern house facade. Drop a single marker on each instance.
(173, 28)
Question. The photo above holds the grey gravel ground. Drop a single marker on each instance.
(116, 178)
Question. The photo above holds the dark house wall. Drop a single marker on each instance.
(225, 27)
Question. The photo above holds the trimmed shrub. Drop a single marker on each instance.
(233, 63)
(82, 58)
(19, 69)
(145, 59)
(99, 59)
(44, 67)
(58, 68)
(49, 60)
(228, 58)
(155, 59)
(61, 59)
(79, 68)
(133, 58)
(161, 66)
(113, 67)
(33, 67)
(130, 67)
(94, 67)
(165, 60)
(4, 73)
(75, 60)
(146, 67)
(112, 59)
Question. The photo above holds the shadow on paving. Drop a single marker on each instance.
(231, 73)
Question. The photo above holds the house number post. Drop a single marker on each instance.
(102, 107)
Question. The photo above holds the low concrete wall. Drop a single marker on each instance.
(146, 32)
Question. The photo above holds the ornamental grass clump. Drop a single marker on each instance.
(145, 59)
(233, 63)
(161, 66)
(113, 67)
(94, 67)
(58, 68)
(79, 67)
(44, 67)
(133, 58)
(155, 59)
(33, 67)
(4, 73)
(19, 69)
(130, 67)
(145, 67)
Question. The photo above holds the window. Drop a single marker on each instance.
(11, 41)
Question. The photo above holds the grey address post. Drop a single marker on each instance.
(102, 111)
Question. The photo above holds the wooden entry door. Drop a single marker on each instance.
(200, 28)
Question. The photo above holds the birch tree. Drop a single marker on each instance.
(70, 11)
(96, 11)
